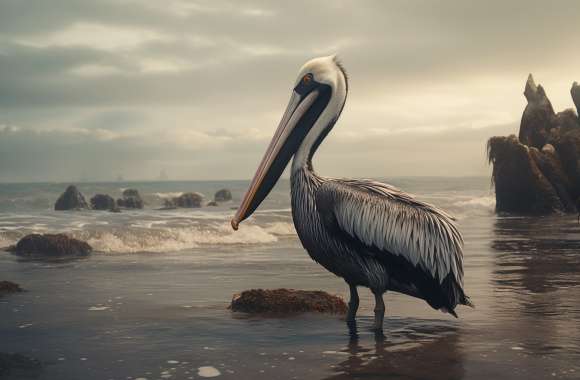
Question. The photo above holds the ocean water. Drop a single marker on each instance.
(28, 208)
(151, 301)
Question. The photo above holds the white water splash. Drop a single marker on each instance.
(208, 371)
(98, 308)
(481, 205)
(168, 195)
(171, 239)
(281, 229)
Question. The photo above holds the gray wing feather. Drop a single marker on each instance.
(391, 220)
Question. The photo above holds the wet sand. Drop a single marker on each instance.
(164, 316)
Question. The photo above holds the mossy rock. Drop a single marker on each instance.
(284, 301)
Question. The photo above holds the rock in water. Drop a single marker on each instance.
(539, 171)
(131, 199)
(575, 92)
(7, 287)
(520, 187)
(223, 195)
(71, 199)
(50, 245)
(537, 119)
(103, 202)
(287, 301)
(212, 204)
(188, 200)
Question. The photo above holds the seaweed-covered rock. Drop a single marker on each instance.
(7, 287)
(222, 195)
(103, 202)
(131, 199)
(71, 199)
(539, 171)
(50, 245)
(188, 200)
(551, 168)
(283, 301)
(568, 148)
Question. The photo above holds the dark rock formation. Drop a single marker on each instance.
(71, 199)
(103, 202)
(50, 245)
(185, 200)
(7, 287)
(131, 199)
(575, 92)
(212, 204)
(223, 195)
(539, 171)
(283, 301)
(538, 116)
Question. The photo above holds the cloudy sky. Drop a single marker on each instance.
(98, 89)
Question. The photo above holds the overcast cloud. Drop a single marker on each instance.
(195, 88)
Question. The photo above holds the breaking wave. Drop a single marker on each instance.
(473, 206)
(4, 242)
(172, 239)
(168, 195)
(281, 229)
(8, 238)
(485, 202)
(133, 240)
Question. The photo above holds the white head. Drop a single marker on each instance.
(316, 102)
(325, 70)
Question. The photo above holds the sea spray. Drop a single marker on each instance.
(171, 239)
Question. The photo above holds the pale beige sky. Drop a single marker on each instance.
(196, 88)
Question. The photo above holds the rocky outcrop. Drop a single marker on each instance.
(212, 204)
(222, 195)
(71, 199)
(575, 92)
(185, 200)
(538, 116)
(50, 245)
(538, 172)
(131, 199)
(103, 202)
(7, 287)
(284, 301)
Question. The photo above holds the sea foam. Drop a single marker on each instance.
(170, 239)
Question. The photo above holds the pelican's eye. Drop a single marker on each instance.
(307, 79)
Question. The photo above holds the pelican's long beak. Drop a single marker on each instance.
(284, 144)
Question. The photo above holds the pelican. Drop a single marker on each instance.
(369, 233)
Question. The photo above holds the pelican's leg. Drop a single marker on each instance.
(379, 311)
(352, 304)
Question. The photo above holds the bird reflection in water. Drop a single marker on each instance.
(436, 355)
